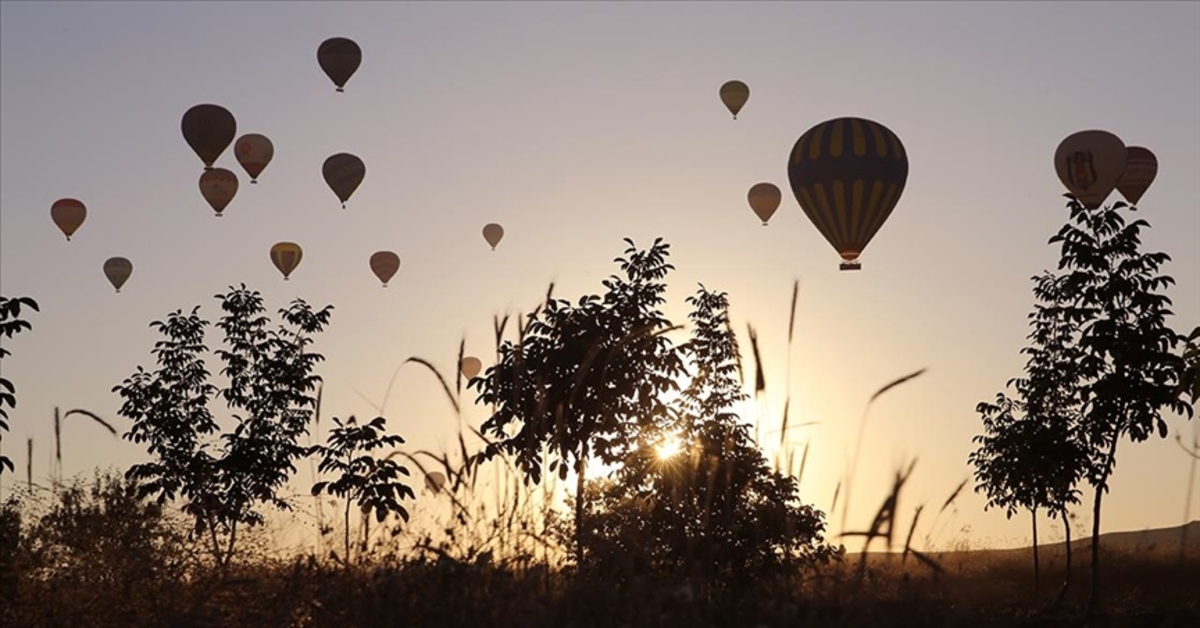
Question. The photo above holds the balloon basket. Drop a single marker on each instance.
(218, 215)
(850, 266)
(339, 90)
(254, 181)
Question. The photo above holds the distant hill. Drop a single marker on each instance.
(1150, 542)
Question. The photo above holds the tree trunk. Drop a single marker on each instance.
(1037, 568)
(579, 510)
(1094, 592)
(1067, 528)
(346, 523)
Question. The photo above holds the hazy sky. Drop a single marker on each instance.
(574, 125)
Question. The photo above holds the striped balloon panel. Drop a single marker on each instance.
(848, 174)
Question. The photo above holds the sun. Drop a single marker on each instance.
(668, 447)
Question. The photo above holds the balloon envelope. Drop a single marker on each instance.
(493, 233)
(254, 153)
(385, 264)
(343, 173)
(764, 200)
(208, 129)
(1089, 163)
(848, 174)
(68, 214)
(471, 366)
(735, 94)
(435, 481)
(118, 270)
(286, 257)
(339, 58)
(1141, 166)
(218, 186)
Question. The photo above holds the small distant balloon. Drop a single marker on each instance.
(385, 264)
(764, 200)
(286, 257)
(343, 174)
(1141, 166)
(435, 481)
(471, 366)
(218, 186)
(493, 233)
(1089, 164)
(339, 58)
(254, 153)
(68, 214)
(735, 94)
(118, 270)
(208, 129)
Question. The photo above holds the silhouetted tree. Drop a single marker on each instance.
(11, 324)
(270, 378)
(585, 378)
(715, 509)
(370, 482)
(1129, 372)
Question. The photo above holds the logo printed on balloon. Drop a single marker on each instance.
(1082, 169)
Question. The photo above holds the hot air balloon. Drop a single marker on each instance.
(385, 264)
(208, 129)
(848, 174)
(254, 152)
(764, 200)
(1090, 163)
(218, 186)
(435, 481)
(493, 233)
(118, 270)
(735, 94)
(339, 58)
(68, 214)
(286, 257)
(1140, 168)
(344, 173)
(470, 367)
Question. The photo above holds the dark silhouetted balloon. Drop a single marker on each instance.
(118, 270)
(493, 233)
(1141, 166)
(385, 264)
(848, 174)
(286, 257)
(208, 129)
(339, 58)
(254, 153)
(1089, 164)
(735, 94)
(218, 186)
(344, 173)
(68, 214)
(764, 200)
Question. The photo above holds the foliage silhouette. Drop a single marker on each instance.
(370, 482)
(11, 324)
(1129, 371)
(585, 378)
(1030, 455)
(270, 379)
(714, 511)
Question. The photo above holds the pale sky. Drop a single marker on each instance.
(573, 125)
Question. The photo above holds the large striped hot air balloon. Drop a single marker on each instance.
(848, 174)
(208, 129)
(343, 173)
(286, 257)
